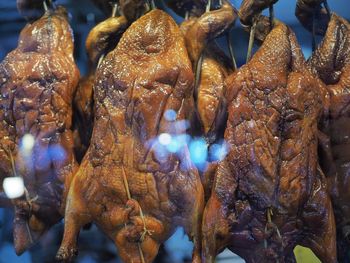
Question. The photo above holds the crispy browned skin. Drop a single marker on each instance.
(331, 62)
(101, 39)
(250, 8)
(274, 105)
(148, 73)
(306, 9)
(198, 32)
(37, 83)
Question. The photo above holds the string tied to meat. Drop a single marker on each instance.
(253, 28)
(271, 228)
(28, 200)
(145, 231)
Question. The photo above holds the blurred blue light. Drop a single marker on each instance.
(57, 153)
(218, 151)
(170, 115)
(178, 142)
(198, 151)
(182, 125)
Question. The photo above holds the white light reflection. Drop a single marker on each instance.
(178, 142)
(164, 138)
(13, 187)
(27, 144)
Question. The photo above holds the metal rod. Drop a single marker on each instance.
(207, 8)
(198, 75)
(230, 49)
(325, 3)
(152, 5)
(45, 6)
(187, 14)
(114, 9)
(251, 40)
(272, 16)
(313, 40)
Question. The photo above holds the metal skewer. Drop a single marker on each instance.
(251, 40)
(271, 17)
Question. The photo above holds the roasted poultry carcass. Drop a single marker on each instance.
(331, 63)
(214, 67)
(269, 194)
(37, 83)
(134, 193)
(101, 39)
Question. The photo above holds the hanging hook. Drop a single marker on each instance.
(272, 16)
(152, 4)
(251, 39)
(208, 6)
(313, 36)
(326, 6)
(115, 9)
(230, 49)
(48, 4)
(187, 14)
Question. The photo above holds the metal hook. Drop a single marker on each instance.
(326, 6)
(152, 4)
(251, 40)
(187, 14)
(230, 49)
(115, 9)
(48, 4)
(208, 6)
(313, 40)
(272, 16)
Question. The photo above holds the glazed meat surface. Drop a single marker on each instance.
(124, 185)
(269, 194)
(101, 39)
(331, 62)
(37, 83)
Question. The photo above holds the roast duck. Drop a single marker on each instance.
(269, 193)
(331, 63)
(136, 195)
(37, 83)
